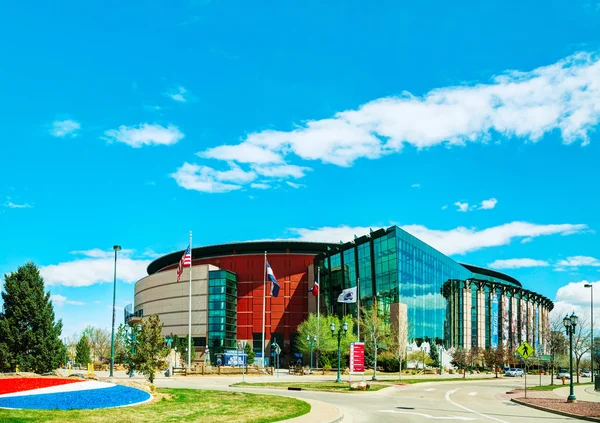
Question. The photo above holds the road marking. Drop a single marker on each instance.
(468, 409)
(428, 416)
(472, 394)
(429, 389)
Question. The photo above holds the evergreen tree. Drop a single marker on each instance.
(434, 354)
(250, 354)
(150, 351)
(82, 351)
(29, 334)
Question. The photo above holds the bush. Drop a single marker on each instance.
(327, 367)
(388, 362)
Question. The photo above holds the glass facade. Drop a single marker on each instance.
(395, 267)
(222, 310)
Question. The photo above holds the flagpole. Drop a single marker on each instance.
(358, 308)
(189, 357)
(318, 309)
(264, 310)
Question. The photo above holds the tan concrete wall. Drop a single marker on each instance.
(161, 294)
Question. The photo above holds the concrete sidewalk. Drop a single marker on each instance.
(320, 412)
(583, 393)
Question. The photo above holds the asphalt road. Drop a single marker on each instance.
(477, 401)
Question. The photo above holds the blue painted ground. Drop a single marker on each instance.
(86, 399)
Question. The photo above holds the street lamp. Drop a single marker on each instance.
(311, 343)
(589, 285)
(570, 324)
(341, 331)
(112, 337)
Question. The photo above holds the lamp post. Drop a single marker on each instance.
(589, 285)
(112, 337)
(570, 325)
(340, 332)
(311, 343)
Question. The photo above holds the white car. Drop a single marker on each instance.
(563, 373)
(514, 372)
(586, 373)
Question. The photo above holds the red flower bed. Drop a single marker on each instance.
(18, 384)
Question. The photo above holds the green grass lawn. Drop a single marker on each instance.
(553, 387)
(178, 405)
(313, 386)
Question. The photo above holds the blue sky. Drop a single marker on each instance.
(473, 126)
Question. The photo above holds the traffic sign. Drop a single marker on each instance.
(525, 350)
(277, 349)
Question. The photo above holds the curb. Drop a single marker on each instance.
(560, 413)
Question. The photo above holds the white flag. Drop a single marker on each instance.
(347, 296)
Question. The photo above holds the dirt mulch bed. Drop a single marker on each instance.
(580, 408)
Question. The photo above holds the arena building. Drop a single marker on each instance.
(433, 297)
(490, 309)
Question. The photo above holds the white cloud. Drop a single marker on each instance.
(90, 271)
(444, 207)
(260, 186)
(459, 240)
(526, 240)
(575, 297)
(577, 261)
(60, 300)
(180, 94)
(517, 263)
(145, 134)
(416, 186)
(12, 205)
(488, 204)
(63, 128)
(207, 179)
(462, 207)
(281, 171)
(243, 153)
(563, 97)
(98, 253)
(294, 185)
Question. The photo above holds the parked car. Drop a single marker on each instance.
(514, 372)
(586, 373)
(563, 373)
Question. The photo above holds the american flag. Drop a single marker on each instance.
(186, 261)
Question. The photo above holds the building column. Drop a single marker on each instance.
(466, 315)
(481, 319)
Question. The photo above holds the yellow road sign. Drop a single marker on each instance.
(525, 350)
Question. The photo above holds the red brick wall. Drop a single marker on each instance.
(284, 313)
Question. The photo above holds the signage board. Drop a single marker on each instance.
(525, 350)
(357, 357)
(235, 358)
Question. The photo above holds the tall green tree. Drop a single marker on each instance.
(326, 345)
(376, 332)
(150, 348)
(29, 332)
(82, 351)
(434, 353)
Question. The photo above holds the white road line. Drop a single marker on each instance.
(468, 409)
(428, 416)
(429, 389)
(472, 394)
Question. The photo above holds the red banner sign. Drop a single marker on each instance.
(357, 357)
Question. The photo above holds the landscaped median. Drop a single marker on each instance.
(543, 398)
(173, 405)
(312, 386)
(344, 386)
